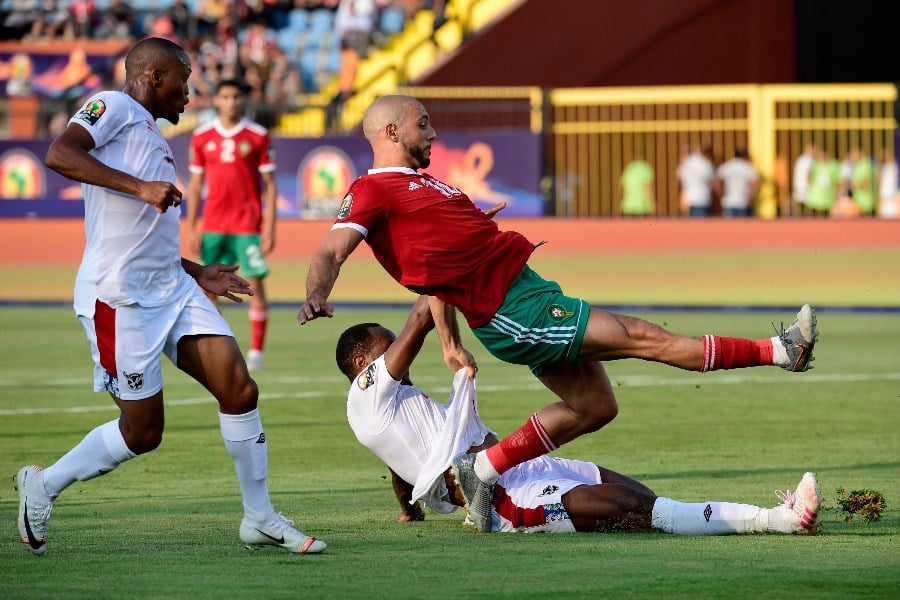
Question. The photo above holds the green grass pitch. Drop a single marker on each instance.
(165, 525)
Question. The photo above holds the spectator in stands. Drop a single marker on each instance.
(258, 107)
(824, 180)
(802, 167)
(888, 207)
(117, 21)
(22, 16)
(206, 74)
(83, 17)
(354, 22)
(695, 174)
(737, 182)
(210, 13)
(161, 26)
(862, 182)
(183, 21)
(53, 20)
(260, 50)
(636, 185)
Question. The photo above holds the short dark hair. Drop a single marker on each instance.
(354, 341)
(150, 53)
(231, 83)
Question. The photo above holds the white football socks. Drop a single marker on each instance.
(246, 443)
(102, 450)
(708, 518)
(484, 470)
(779, 353)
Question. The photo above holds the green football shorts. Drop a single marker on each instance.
(240, 248)
(537, 324)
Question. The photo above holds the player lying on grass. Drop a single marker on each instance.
(432, 239)
(418, 438)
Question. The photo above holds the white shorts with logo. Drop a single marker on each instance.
(528, 497)
(127, 342)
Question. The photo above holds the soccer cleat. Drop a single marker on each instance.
(254, 360)
(799, 340)
(34, 508)
(478, 495)
(804, 503)
(278, 531)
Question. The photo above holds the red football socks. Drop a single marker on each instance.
(527, 442)
(734, 353)
(259, 320)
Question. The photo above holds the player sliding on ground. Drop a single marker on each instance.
(417, 438)
(432, 239)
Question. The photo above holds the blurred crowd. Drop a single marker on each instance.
(278, 48)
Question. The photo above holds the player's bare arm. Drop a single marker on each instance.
(218, 279)
(324, 268)
(194, 192)
(403, 351)
(69, 156)
(403, 490)
(270, 214)
(455, 355)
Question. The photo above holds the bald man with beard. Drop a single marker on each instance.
(433, 240)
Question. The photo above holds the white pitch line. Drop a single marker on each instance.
(621, 382)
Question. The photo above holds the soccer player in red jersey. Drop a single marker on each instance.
(236, 158)
(432, 239)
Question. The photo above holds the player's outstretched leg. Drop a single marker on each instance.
(799, 340)
(478, 495)
(34, 508)
(278, 531)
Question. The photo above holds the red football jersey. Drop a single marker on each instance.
(433, 240)
(232, 160)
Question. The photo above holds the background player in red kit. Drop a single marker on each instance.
(235, 155)
(433, 240)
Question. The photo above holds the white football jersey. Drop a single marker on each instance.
(132, 252)
(412, 433)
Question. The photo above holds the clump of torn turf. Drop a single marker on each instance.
(868, 504)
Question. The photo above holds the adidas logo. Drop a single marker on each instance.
(413, 186)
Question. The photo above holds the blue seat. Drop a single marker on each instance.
(298, 19)
(287, 40)
(321, 19)
(392, 20)
(312, 40)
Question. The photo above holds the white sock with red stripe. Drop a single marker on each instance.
(102, 450)
(708, 518)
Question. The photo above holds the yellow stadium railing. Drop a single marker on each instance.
(595, 133)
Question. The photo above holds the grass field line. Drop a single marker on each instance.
(624, 381)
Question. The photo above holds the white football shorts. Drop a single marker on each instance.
(127, 342)
(528, 497)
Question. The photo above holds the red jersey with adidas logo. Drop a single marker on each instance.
(433, 240)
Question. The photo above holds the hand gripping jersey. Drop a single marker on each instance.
(433, 240)
(413, 434)
(132, 252)
(232, 160)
